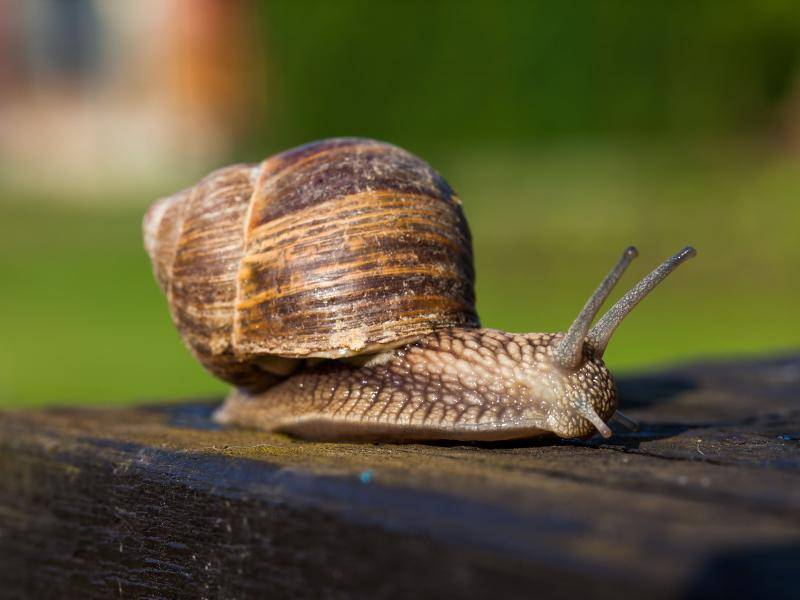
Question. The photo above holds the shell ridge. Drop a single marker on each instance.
(256, 175)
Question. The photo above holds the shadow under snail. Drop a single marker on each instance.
(333, 286)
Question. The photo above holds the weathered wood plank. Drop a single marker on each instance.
(157, 502)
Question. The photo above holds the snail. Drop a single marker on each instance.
(333, 286)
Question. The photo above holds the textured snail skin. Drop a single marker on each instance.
(457, 384)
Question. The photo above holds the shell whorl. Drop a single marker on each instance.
(336, 248)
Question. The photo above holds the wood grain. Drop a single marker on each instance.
(158, 502)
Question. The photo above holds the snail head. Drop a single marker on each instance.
(582, 383)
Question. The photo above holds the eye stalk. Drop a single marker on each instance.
(569, 352)
(601, 333)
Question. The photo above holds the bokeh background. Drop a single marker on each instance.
(570, 129)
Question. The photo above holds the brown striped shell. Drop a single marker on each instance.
(337, 248)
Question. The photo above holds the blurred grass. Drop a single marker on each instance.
(82, 320)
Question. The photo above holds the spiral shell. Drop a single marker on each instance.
(337, 248)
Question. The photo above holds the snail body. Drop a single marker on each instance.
(333, 286)
(457, 384)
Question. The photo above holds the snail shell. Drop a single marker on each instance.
(337, 248)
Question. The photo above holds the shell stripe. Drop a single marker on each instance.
(204, 272)
(372, 255)
(342, 170)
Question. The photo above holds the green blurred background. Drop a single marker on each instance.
(570, 130)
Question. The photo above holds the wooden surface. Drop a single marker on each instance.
(156, 502)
